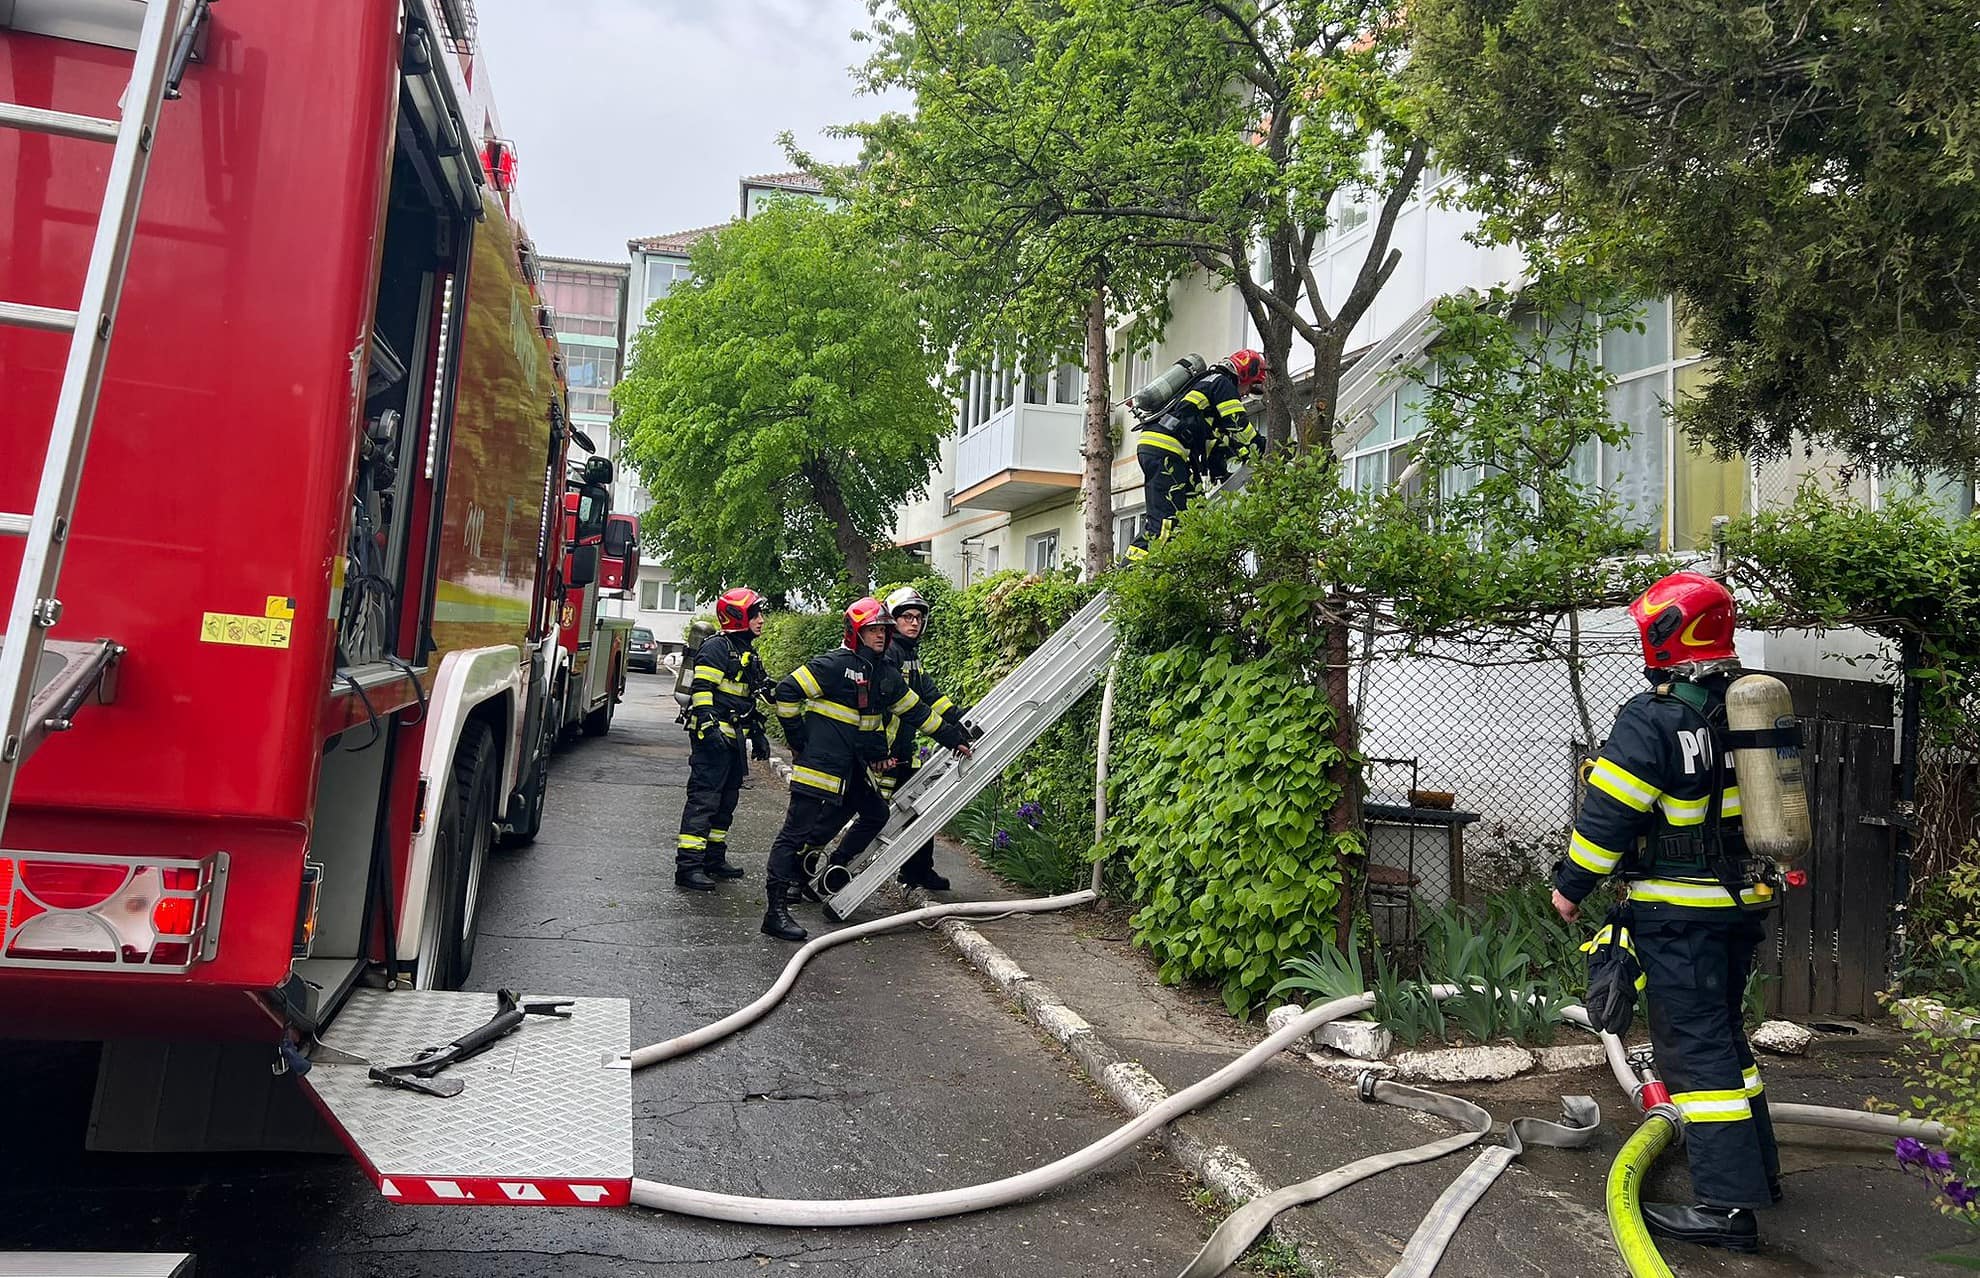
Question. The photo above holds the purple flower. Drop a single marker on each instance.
(1961, 1193)
(1910, 1152)
(1002, 841)
(925, 752)
(1938, 1160)
(1031, 812)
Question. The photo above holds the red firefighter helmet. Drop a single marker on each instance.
(1248, 367)
(734, 609)
(1685, 617)
(863, 613)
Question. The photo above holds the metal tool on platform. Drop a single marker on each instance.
(418, 1074)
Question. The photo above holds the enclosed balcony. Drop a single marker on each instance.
(1013, 455)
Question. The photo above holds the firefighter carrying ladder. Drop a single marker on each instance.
(1051, 680)
(45, 682)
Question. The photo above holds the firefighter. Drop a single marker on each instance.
(834, 710)
(724, 719)
(1202, 433)
(1662, 811)
(910, 612)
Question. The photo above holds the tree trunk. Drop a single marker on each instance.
(1277, 337)
(857, 550)
(1317, 424)
(1346, 814)
(1096, 482)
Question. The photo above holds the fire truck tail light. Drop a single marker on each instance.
(136, 914)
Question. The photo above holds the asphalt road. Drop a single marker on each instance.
(892, 1069)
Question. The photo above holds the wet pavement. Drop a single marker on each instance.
(891, 1069)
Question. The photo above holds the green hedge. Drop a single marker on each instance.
(790, 639)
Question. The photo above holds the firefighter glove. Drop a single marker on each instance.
(1615, 977)
(759, 744)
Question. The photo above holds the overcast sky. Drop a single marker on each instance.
(636, 117)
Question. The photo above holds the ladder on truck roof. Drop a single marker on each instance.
(44, 682)
(1032, 697)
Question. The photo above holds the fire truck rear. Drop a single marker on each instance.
(293, 619)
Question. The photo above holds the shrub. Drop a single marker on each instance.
(1221, 809)
(790, 639)
(1019, 841)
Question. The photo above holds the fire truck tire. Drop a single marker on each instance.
(528, 809)
(599, 721)
(467, 830)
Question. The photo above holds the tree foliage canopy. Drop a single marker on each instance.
(781, 405)
(1802, 176)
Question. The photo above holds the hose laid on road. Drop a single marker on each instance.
(1624, 1194)
(695, 1040)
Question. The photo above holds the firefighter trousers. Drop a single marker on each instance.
(922, 863)
(1166, 485)
(717, 765)
(1696, 972)
(815, 818)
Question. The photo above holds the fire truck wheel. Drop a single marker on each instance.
(467, 829)
(528, 808)
(599, 721)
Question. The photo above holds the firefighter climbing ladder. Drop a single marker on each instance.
(44, 682)
(1047, 683)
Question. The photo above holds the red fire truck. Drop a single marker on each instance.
(291, 622)
(591, 670)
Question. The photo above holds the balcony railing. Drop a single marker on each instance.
(1019, 457)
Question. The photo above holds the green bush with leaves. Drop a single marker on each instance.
(790, 639)
(1220, 810)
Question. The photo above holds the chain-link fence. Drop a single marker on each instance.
(1472, 753)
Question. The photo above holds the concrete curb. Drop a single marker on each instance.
(1217, 1167)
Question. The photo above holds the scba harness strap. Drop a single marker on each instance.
(1708, 851)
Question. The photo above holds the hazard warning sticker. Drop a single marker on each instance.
(244, 631)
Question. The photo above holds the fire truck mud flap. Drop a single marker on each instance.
(544, 1118)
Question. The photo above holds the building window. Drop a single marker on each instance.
(1126, 526)
(993, 559)
(591, 367)
(662, 274)
(1066, 388)
(1041, 551)
(1381, 456)
(649, 596)
(571, 293)
(674, 599)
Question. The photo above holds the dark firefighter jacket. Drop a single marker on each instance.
(1206, 426)
(834, 709)
(1646, 812)
(905, 655)
(728, 677)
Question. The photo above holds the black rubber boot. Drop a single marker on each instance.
(1733, 1228)
(927, 880)
(715, 862)
(777, 920)
(693, 879)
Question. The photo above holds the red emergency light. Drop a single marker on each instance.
(498, 160)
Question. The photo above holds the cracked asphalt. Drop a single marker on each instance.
(892, 1068)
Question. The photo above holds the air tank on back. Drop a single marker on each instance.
(1773, 796)
(1161, 392)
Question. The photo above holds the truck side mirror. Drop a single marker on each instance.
(584, 566)
(618, 537)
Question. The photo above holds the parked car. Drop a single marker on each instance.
(643, 652)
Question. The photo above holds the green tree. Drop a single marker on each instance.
(1015, 171)
(781, 406)
(1802, 177)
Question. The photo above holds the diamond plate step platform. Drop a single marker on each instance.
(545, 1118)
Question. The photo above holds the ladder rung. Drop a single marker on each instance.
(15, 525)
(48, 318)
(61, 123)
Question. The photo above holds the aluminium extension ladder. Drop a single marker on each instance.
(43, 681)
(1032, 697)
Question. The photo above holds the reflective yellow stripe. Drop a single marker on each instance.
(817, 780)
(707, 674)
(718, 836)
(1684, 811)
(1751, 1075)
(1591, 856)
(703, 700)
(1704, 895)
(934, 724)
(907, 702)
(943, 705)
(1724, 1106)
(1622, 785)
(1230, 408)
(1730, 805)
(733, 688)
(871, 723)
(808, 681)
(728, 730)
(789, 709)
(1156, 439)
(833, 710)
(1197, 398)
(693, 841)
